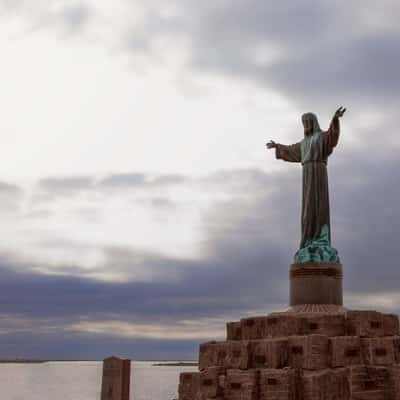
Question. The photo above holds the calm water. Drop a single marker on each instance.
(82, 381)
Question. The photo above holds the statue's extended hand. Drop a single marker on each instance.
(339, 112)
(271, 144)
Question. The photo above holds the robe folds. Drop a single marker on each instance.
(313, 152)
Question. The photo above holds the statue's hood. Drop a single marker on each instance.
(314, 119)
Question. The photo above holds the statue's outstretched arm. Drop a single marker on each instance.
(334, 129)
(291, 153)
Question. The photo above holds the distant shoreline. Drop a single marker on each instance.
(177, 364)
(17, 361)
(157, 364)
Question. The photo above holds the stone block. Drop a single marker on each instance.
(317, 385)
(269, 353)
(273, 325)
(241, 385)
(189, 386)
(344, 351)
(277, 384)
(228, 355)
(340, 384)
(394, 382)
(396, 344)
(116, 378)
(222, 381)
(282, 325)
(379, 351)
(308, 352)
(364, 324)
(391, 325)
(322, 324)
(210, 383)
(369, 383)
(233, 331)
(254, 328)
(327, 384)
(208, 354)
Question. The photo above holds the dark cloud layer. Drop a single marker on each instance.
(312, 52)
(69, 346)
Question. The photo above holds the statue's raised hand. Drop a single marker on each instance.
(271, 144)
(339, 112)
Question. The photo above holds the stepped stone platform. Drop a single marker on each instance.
(309, 352)
(301, 356)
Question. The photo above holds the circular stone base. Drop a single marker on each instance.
(316, 309)
(316, 283)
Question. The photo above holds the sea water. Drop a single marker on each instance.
(81, 380)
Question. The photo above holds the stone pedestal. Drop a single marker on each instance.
(315, 350)
(116, 378)
(347, 355)
(316, 283)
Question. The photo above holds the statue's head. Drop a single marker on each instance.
(310, 123)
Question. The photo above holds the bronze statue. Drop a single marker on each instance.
(313, 152)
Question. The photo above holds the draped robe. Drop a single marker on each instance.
(313, 152)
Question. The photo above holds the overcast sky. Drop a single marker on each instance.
(140, 209)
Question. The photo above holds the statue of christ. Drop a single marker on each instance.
(313, 152)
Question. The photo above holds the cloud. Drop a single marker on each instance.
(76, 16)
(10, 189)
(65, 185)
(178, 330)
(138, 180)
(124, 180)
(325, 53)
(11, 196)
(312, 52)
(71, 186)
(69, 18)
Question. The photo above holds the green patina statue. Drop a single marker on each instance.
(313, 152)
